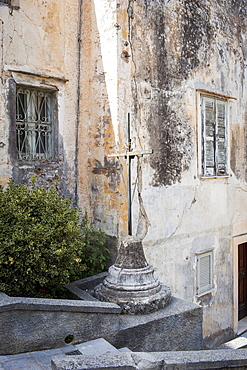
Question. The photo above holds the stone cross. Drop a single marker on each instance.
(131, 282)
(130, 154)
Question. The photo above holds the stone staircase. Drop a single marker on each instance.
(98, 346)
(99, 354)
(94, 354)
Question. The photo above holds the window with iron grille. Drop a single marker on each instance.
(204, 272)
(214, 136)
(6, 2)
(34, 124)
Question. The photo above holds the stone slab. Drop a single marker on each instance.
(87, 284)
(109, 361)
(41, 304)
(192, 360)
(180, 360)
(81, 294)
(97, 347)
(176, 327)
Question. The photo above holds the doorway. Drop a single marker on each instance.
(242, 281)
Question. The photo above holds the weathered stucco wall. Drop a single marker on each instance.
(180, 47)
(105, 101)
(149, 59)
(39, 47)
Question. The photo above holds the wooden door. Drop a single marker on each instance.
(242, 281)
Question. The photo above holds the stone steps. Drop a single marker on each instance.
(97, 346)
(99, 354)
(94, 354)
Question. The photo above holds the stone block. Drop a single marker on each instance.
(97, 347)
(176, 327)
(122, 361)
(37, 324)
(192, 360)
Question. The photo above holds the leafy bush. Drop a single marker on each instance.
(43, 242)
(95, 252)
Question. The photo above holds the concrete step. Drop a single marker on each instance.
(97, 346)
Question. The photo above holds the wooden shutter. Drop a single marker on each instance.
(208, 132)
(221, 153)
(204, 272)
(214, 130)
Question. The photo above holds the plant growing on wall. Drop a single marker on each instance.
(43, 242)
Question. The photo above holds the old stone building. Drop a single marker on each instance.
(138, 110)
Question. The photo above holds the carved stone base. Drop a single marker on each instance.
(131, 283)
(135, 301)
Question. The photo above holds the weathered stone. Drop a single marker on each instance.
(131, 282)
(136, 301)
(36, 324)
(180, 360)
(110, 361)
(96, 347)
(193, 360)
(130, 254)
(151, 60)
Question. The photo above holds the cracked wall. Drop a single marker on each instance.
(147, 60)
(179, 49)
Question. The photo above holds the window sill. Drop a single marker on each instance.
(205, 293)
(214, 177)
(37, 162)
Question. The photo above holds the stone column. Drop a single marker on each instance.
(131, 282)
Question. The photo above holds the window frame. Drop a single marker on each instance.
(34, 128)
(201, 95)
(13, 83)
(206, 288)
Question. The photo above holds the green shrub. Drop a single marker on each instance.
(95, 252)
(43, 242)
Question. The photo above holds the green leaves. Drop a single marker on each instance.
(43, 242)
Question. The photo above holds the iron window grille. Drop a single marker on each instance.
(214, 136)
(34, 124)
(6, 2)
(204, 272)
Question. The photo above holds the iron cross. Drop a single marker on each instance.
(130, 154)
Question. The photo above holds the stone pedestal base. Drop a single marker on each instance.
(136, 301)
(131, 283)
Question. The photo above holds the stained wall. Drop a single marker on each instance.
(149, 61)
(180, 49)
(39, 48)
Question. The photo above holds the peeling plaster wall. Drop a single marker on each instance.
(178, 48)
(148, 59)
(39, 47)
(104, 104)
